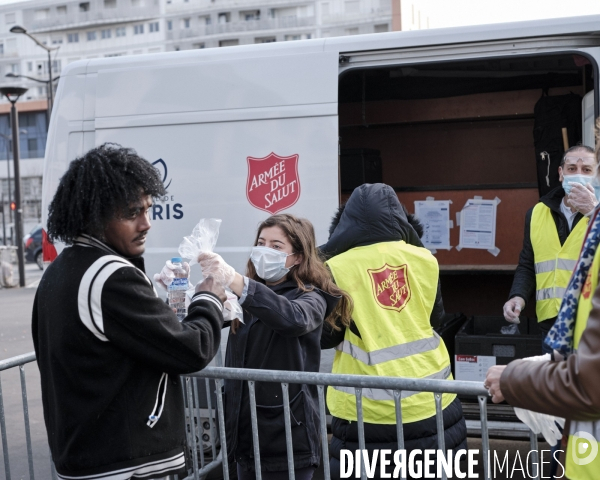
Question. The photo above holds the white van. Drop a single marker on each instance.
(243, 132)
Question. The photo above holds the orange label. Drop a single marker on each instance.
(390, 286)
(587, 286)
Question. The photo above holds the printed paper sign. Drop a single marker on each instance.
(478, 225)
(472, 367)
(435, 217)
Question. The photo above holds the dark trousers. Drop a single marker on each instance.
(300, 473)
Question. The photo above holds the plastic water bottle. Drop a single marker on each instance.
(177, 289)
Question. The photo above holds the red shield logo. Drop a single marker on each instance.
(273, 183)
(391, 287)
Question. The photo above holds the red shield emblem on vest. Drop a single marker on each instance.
(391, 287)
(273, 183)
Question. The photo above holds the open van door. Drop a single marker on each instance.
(235, 137)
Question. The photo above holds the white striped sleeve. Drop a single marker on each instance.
(210, 298)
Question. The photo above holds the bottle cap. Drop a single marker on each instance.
(176, 260)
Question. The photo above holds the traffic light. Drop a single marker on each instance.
(13, 206)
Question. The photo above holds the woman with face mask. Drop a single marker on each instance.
(287, 294)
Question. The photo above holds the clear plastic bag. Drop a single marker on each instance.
(512, 329)
(204, 239)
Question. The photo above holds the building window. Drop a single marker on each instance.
(9, 18)
(106, 33)
(265, 40)
(205, 20)
(120, 31)
(381, 28)
(2, 49)
(110, 3)
(229, 43)
(61, 10)
(352, 31)
(32, 145)
(352, 6)
(41, 14)
(169, 24)
(57, 40)
(138, 29)
(72, 37)
(137, 3)
(250, 15)
(30, 66)
(198, 45)
(153, 26)
(91, 36)
(185, 23)
(292, 37)
(325, 9)
(84, 7)
(14, 68)
(224, 18)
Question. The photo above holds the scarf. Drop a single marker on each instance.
(560, 336)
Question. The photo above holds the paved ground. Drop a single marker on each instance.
(15, 339)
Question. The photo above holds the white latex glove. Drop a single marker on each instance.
(512, 309)
(547, 425)
(582, 198)
(166, 275)
(213, 264)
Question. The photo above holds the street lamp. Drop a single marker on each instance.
(13, 94)
(50, 93)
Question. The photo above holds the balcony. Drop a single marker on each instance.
(247, 26)
(209, 6)
(97, 15)
(384, 13)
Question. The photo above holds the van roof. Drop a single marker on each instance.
(580, 26)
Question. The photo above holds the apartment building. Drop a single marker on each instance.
(85, 29)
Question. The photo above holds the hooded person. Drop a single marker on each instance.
(375, 254)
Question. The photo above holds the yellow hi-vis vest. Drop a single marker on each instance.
(554, 262)
(393, 286)
(583, 450)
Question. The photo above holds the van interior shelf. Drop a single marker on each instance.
(477, 269)
(516, 116)
(484, 186)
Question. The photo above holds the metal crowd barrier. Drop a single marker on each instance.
(205, 427)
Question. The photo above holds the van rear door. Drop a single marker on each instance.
(235, 137)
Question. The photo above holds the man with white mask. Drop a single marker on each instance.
(554, 231)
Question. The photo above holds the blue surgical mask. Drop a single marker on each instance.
(568, 180)
(269, 263)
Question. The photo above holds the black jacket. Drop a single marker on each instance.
(524, 281)
(108, 349)
(373, 214)
(281, 332)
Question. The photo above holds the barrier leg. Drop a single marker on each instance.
(26, 417)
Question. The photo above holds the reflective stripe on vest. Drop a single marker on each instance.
(554, 263)
(583, 450)
(393, 286)
(390, 353)
(380, 394)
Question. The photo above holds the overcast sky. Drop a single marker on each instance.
(449, 13)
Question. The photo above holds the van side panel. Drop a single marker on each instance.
(200, 124)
